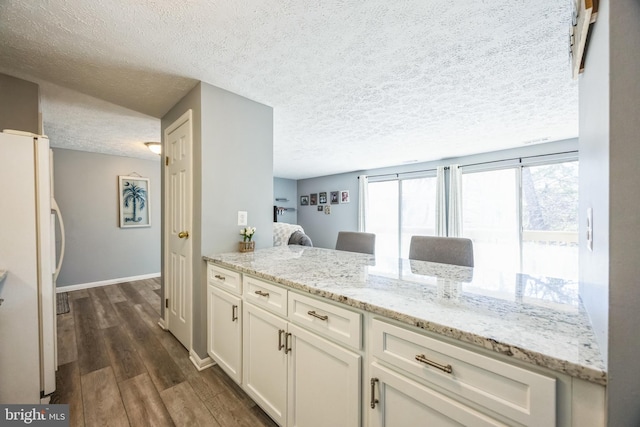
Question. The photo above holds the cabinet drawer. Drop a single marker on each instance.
(340, 324)
(519, 394)
(223, 278)
(265, 295)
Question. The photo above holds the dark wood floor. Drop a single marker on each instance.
(117, 367)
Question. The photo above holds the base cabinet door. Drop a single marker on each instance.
(265, 361)
(224, 340)
(324, 382)
(397, 401)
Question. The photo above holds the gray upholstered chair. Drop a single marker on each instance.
(354, 241)
(445, 250)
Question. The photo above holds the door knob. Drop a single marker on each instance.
(183, 234)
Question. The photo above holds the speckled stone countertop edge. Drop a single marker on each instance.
(575, 370)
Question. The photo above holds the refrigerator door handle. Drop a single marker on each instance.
(56, 210)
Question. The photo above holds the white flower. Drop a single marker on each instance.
(247, 233)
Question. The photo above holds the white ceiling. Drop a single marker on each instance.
(354, 84)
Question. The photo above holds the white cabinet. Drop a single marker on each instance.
(299, 378)
(265, 362)
(324, 382)
(398, 401)
(224, 320)
(224, 334)
(451, 380)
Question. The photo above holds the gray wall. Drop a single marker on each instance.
(594, 177)
(609, 175)
(233, 171)
(323, 229)
(624, 203)
(19, 104)
(97, 249)
(286, 189)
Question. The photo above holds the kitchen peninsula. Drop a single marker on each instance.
(471, 316)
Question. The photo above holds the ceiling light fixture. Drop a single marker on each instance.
(155, 147)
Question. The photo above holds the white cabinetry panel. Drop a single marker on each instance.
(324, 382)
(224, 332)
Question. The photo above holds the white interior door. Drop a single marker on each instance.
(178, 220)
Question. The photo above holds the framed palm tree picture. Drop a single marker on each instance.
(134, 201)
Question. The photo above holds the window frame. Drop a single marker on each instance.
(518, 164)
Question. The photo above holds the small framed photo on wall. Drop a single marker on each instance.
(313, 199)
(323, 198)
(334, 198)
(344, 196)
(304, 200)
(320, 208)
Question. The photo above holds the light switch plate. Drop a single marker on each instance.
(242, 217)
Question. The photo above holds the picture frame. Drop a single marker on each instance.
(335, 197)
(344, 196)
(322, 198)
(320, 208)
(304, 200)
(313, 199)
(327, 209)
(134, 192)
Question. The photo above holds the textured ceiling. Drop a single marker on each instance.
(354, 84)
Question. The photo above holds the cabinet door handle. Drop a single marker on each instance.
(280, 345)
(234, 313)
(423, 359)
(262, 294)
(373, 393)
(219, 277)
(317, 316)
(287, 343)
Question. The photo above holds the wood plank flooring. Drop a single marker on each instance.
(117, 367)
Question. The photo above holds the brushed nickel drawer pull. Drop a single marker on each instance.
(234, 313)
(262, 294)
(280, 345)
(219, 277)
(317, 316)
(287, 343)
(423, 359)
(373, 393)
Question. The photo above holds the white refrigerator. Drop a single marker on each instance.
(28, 267)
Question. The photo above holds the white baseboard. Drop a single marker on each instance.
(80, 286)
(200, 364)
(162, 324)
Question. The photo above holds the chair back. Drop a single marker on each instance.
(445, 250)
(354, 241)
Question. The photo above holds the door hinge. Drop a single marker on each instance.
(166, 160)
(166, 303)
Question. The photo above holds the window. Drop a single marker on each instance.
(522, 214)
(418, 211)
(524, 218)
(550, 219)
(383, 217)
(490, 218)
(400, 209)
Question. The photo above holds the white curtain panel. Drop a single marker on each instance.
(441, 203)
(363, 202)
(455, 201)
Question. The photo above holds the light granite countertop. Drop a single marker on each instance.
(538, 320)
